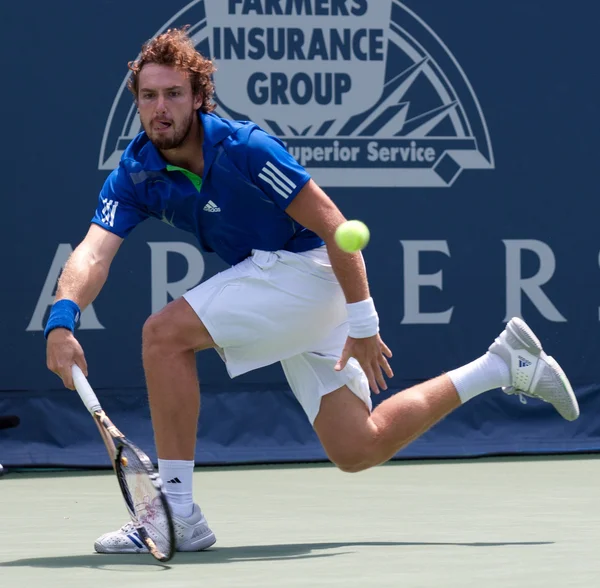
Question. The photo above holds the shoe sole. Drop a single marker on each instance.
(99, 548)
(573, 412)
(521, 331)
(202, 544)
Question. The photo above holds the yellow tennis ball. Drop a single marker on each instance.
(352, 236)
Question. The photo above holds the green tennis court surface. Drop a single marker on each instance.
(482, 523)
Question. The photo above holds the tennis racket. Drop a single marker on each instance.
(140, 485)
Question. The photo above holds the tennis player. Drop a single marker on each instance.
(290, 295)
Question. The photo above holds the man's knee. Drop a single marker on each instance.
(346, 431)
(176, 328)
(353, 467)
(356, 459)
(156, 332)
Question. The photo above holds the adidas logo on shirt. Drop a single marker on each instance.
(174, 481)
(210, 206)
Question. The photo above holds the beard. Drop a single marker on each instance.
(180, 133)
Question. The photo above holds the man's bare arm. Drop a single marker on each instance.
(313, 209)
(83, 277)
(87, 269)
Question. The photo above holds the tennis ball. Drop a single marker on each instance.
(352, 235)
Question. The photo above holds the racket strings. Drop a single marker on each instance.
(145, 500)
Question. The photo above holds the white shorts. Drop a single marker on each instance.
(286, 307)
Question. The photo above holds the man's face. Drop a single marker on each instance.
(166, 104)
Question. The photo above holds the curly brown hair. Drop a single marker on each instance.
(175, 48)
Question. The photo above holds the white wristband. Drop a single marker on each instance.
(363, 320)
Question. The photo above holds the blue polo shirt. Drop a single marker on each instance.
(238, 205)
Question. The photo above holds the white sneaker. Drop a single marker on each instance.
(534, 373)
(191, 534)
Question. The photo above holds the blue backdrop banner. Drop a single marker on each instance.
(462, 133)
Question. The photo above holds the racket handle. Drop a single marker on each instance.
(85, 390)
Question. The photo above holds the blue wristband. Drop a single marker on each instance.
(64, 314)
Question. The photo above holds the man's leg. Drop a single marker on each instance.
(356, 440)
(170, 339)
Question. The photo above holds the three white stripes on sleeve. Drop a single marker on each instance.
(277, 180)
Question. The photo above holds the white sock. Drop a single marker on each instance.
(177, 479)
(486, 373)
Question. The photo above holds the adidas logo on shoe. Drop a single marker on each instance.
(174, 481)
(523, 362)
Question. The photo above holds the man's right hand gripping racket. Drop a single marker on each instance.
(140, 485)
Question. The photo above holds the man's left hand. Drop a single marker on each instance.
(371, 353)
